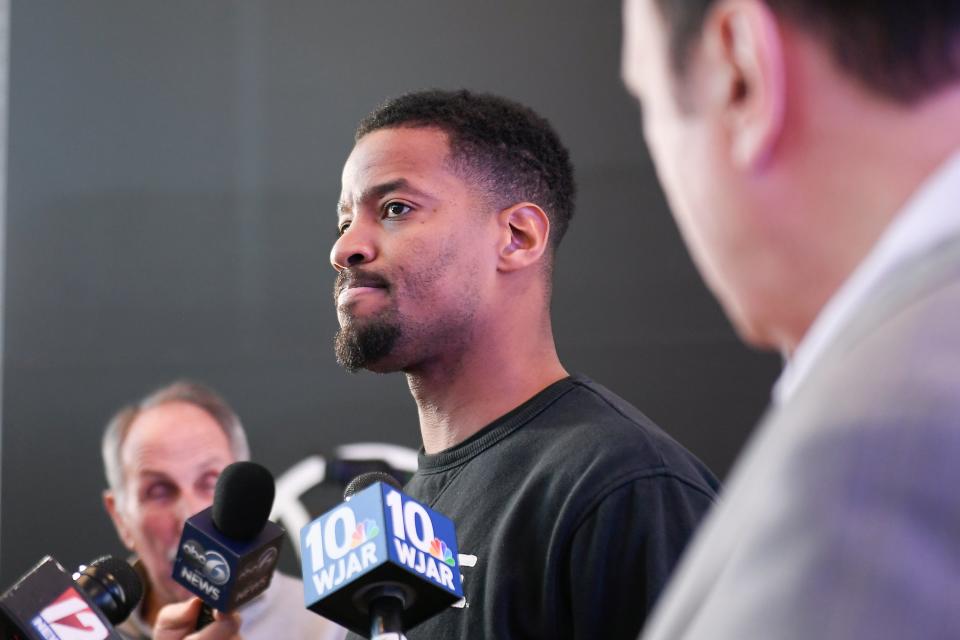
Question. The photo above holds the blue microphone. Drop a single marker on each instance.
(47, 604)
(380, 563)
(228, 552)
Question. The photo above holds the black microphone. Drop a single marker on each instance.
(381, 562)
(365, 480)
(46, 604)
(228, 551)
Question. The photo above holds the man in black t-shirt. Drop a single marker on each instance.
(571, 506)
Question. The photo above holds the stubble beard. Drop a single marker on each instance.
(362, 346)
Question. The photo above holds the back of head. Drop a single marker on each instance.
(509, 151)
(788, 135)
(903, 51)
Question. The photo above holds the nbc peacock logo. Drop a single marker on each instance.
(366, 530)
(440, 551)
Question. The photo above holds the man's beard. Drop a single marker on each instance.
(361, 347)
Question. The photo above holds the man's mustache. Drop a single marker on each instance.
(349, 278)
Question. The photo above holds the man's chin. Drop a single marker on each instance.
(177, 593)
(386, 364)
(172, 591)
(370, 347)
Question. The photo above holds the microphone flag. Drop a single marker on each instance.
(380, 539)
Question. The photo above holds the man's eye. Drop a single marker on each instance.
(396, 209)
(208, 482)
(158, 491)
(342, 228)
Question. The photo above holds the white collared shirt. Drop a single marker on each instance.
(278, 613)
(931, 214)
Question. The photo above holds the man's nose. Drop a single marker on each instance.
(357, 245)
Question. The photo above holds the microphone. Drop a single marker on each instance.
(228, 551)
(380, 563)
(364, 480)
(46, 604)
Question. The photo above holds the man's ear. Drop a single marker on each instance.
(110, 504)
(746, 75)
(525, 236)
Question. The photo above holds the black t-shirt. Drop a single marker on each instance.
(571, 512)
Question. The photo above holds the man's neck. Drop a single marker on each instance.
(457, 401)
(881, 154)
(151, 607)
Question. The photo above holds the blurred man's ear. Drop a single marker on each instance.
(745, 73)
(525, 236)
(110, 504)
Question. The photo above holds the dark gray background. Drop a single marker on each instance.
(173, 172)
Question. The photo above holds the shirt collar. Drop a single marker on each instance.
(931, 214)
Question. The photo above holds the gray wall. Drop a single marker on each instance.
(173, 172)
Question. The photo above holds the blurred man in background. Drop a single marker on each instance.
(162, 457)
(810, 151)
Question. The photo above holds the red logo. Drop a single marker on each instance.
(69, 617)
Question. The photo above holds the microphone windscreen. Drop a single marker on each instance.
(242, 500)
(364, 480)
(113, 585)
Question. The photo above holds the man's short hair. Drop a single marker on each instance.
(510, 151)
(180, 391)
(904, 51)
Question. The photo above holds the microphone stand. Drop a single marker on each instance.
(386, 621)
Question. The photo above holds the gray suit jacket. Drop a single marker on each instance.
(842, 518)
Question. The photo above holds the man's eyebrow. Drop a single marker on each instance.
(203, 465)
(377, 191)
(153, 474)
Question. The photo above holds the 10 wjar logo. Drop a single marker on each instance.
(69, 617)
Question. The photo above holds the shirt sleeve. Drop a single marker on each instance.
(624, 550)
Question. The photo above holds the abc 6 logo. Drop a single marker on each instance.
(216, 568)
(212, 564)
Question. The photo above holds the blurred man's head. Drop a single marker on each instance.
(452, 207)
(162, 457)
(787, 133)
